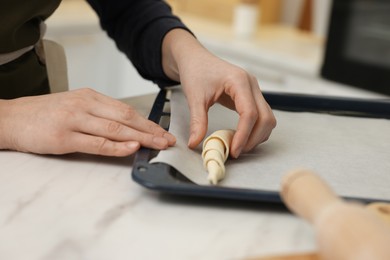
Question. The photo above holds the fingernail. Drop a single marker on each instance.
(170, 137)
(238, 152)
(132, 145)
(160, 141)
(191, 139)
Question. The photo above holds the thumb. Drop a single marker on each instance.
(198, 124)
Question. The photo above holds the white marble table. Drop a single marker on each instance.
(81, 206)
(87, 207)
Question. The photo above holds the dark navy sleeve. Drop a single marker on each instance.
(138, 28)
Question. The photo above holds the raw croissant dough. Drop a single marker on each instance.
(215, 152)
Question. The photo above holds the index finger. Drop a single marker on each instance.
(125, 114)
(248, 115)
(265, 122)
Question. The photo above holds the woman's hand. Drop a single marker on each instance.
(77, 121)
(206, 80)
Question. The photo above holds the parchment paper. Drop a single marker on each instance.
(352, 154)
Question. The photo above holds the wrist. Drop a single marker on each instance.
(4, 107)
(178, 45)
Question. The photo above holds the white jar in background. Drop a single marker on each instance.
(245, 19)
(321, 16)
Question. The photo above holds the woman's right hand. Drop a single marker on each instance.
(77, 121)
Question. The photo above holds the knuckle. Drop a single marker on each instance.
(236, 77)
(114, 127)
(99, 145)
(253, 115)
(155, 129)
(58, 137)
(87, 91)
(270, 120)
(240, 74)
(129, 113)
(75, 101)
(266, 138)
(66, 115)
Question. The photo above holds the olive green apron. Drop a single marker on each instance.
(27, 75)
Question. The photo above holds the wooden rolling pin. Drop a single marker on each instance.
(344, 230)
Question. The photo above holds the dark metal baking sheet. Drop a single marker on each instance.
(164, 178)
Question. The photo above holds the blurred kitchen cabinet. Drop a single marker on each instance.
(283, 59)
(94, 61)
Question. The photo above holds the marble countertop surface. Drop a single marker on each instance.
(81, 206)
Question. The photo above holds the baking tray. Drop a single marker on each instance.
(164, 178)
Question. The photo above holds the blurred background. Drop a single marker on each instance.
(281, 42)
